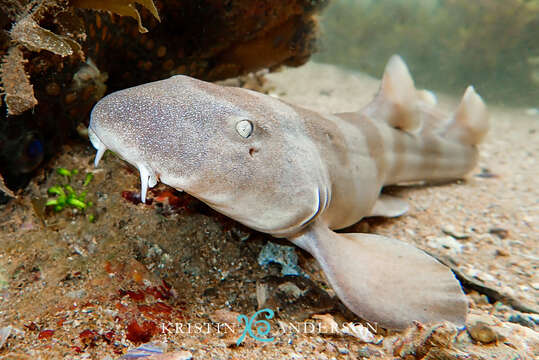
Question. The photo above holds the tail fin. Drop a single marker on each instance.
(384, 280)
(469, 124)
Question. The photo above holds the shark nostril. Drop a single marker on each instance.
(253, 151)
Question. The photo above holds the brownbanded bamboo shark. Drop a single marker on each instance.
(294, 173)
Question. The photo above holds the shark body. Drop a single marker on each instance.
(291, 172)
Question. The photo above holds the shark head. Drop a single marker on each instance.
(245, 154)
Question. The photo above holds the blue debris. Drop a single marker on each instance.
(280, 254)
(144, 351)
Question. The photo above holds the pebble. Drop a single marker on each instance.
(477, 298)
(343, 351)
(358, 331)
(502, 252)
(6, 332)
(450, 230)
(446, 242)
(291, 290)
(177, 355)
(482, 332)
(77, 294)
(481, 275)
(366, 352)
(296, 297)
(499, 232)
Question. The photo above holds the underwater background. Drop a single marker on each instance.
(448, 44)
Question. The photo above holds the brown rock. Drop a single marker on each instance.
(482, 332)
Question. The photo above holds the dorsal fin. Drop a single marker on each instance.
(469, 124)
(397, 84)
(397, 98)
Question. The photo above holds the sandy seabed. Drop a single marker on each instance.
(74, 289)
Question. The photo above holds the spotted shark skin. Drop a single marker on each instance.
(294, 173)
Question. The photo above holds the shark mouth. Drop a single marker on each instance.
(148, 177)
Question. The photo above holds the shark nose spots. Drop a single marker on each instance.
(244, 128)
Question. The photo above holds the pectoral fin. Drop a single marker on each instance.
(384, 280)
(389, 206)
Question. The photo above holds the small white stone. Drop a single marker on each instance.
(445, 242)
(358, 331)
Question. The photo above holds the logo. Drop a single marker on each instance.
(258, 327)
(262, 327)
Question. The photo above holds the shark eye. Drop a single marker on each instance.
(244, 128)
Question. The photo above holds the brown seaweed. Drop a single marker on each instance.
(19, 92)
(120, 7)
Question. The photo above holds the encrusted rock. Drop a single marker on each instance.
(482, 332)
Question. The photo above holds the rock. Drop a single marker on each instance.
(419, 340)
(291, 290)
(293, 297)
(280, 254)
(482, 332)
